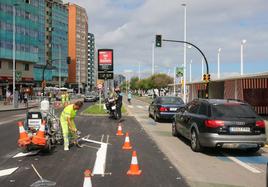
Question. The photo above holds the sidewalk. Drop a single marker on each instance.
(21, 106)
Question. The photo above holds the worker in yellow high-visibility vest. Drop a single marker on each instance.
(63, 97)
(68, 126)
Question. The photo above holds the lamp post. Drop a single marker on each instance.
(174, 87)
(14, 53)
(59, 66)
(139, 71)
(191, 70)
(219, 52)
(242, 57)
(184, 56)
(202, 64)
(153, 58)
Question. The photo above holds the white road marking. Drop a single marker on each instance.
(130, 106)
(100, 162)
(139, 106)
(7, 171)
(248, 167)
(26, 154)
(14, 118)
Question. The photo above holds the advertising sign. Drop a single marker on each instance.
(105, 60)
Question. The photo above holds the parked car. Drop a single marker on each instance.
(220, 123)
(165, 107)
(90, 98)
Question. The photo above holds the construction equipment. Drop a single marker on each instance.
(41, 130)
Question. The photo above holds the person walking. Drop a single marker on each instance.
(68, 126)
(129, 96)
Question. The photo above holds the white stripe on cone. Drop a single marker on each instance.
(127, 139)
(87, 182)
(21, 129)
(119, 127)
(134, 161)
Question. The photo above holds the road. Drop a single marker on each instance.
(66, 167)
(211, 168)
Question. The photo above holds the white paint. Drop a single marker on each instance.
(139, 106)
(13, 118)
(100, 162)
(26, 154)
(130, 106)
(7, 171)
(248, 167)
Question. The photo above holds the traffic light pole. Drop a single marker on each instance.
(179, 41)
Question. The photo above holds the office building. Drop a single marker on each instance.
(91, 62)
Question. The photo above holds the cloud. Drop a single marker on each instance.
(129, 27)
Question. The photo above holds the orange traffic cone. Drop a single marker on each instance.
(39, 138)
(134, 167)
(127, 145)
(119, 130)
(24, 138)
(87, 179)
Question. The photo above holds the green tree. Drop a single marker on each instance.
(160, 81)
(134, 83)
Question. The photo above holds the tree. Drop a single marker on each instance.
(134, 83)
(160, 81)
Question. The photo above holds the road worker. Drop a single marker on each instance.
(67, 98)
(68, 126)
(63, 97)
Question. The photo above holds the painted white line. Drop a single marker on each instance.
(130, 106)
(248, 167)
(100, 162)
(14, 118)
(26, 154)
(139, 106)
(7, 171)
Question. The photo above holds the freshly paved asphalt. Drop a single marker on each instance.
(66, 168)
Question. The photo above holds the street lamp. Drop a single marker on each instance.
(219, 51)
(184, 56)
(60, 66)
(242, 58)
(153, 58)
(202, 64)
(191, 70)
(14, 53)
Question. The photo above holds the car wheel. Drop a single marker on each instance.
(174, 130)
(156, 119)
(195, 144)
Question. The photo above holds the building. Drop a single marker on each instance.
(26, 43)
(77, 46)
(252, 88)
(119, 79)
(53, 42)
(91, 62)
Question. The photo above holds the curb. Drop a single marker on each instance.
(16, 109)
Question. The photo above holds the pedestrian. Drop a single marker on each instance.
(129, 96)
(8, 95)
(119, 101)
(63, 99)
(68, 126)
(25, 99)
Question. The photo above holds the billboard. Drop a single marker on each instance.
(105, 60)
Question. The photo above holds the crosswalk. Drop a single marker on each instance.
(138, 107)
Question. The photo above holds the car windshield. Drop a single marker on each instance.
(170, 100)
(235, 110)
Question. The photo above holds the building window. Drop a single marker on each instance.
(26, 67)
(27, 1)
(10, 65)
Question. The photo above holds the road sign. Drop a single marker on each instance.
(105, 75)
(105, 60)
(18, 76)
(99, 86)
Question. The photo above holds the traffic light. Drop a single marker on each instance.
(208, 77)
(68, 60)
(205, 77)
(158, 41)
(43, 84)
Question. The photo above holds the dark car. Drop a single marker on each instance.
(165, 107)
(220, 123)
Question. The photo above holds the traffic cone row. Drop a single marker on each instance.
(38, 139)
(134, 166)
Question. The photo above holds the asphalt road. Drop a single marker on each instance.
(66, 167)
(224, 167)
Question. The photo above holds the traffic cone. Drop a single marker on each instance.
(127, 145)
(87, 179)
(119, 130)
(39, 138)
(134, 167)
(24, 138)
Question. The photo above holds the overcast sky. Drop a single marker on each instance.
(129, 27)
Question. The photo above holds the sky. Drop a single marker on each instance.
(129, 28)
